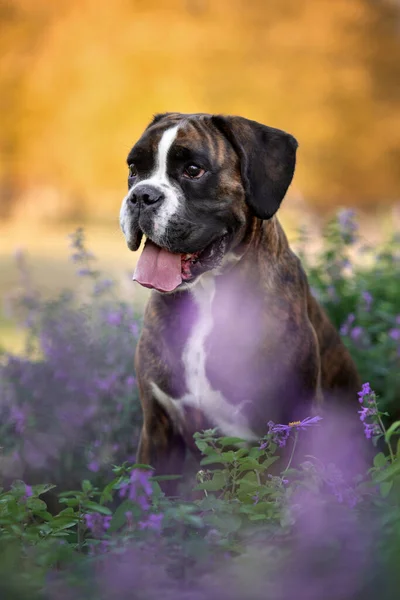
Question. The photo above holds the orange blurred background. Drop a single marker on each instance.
(80, 79)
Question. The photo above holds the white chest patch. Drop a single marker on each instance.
(201, 395)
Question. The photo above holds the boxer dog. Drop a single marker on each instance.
(232, 337)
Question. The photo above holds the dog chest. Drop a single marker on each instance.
(200, 394)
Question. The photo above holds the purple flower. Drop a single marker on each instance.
(367, 297)
(356, 332)
(365, 391)
(280, 433)
(263, 445)
(332, 294)
(114, 318)
(97, 523)
(153, 522)
(371, 429)
(344, 494)
(134, 329)
(345, 328)
(85, 272)
(141, 478)
(139, 488)
(94, 466)
(308, 422)
(347, 225)
(28, 492)
(369, 410)
(102, 286)
(18, 416)
(394, 334)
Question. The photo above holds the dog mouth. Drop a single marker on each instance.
(165, 271)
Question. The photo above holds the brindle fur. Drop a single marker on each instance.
(289, 362)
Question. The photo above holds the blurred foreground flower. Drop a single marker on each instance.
(139, 488)
(97, 524)
(280, 433)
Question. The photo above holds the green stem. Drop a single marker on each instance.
(384, 433)
(80, 528)
(292, 454)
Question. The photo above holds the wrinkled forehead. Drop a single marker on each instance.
(186, 138)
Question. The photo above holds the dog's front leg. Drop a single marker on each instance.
(161, 446)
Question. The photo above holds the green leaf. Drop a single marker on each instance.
(119, 518)
(38, 490)
(215, 484)
(250, 464)
(211, 503)
(195, 521)
(392, 429)
(225, 523)
(36, 505)
(104, 510)
(204, 447)
(70, 501)
(228, 457)
(389, 472)
(269, 461)
(262, 508)
(385, 488)
(241, 453)
(211, 460)
(65, 512)
(70, 494)
(107, 494)
(230, 441)
(86, 486)
(65, 525)
(165, 477)
(380, 460)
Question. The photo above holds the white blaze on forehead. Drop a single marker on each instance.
(158, 178)
(164, 145)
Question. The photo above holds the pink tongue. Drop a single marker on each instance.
(157, 268)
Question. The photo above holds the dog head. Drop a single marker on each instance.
(194, 182)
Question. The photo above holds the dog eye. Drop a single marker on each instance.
(193, 172)
(132, 171)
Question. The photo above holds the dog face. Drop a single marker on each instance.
(194, 182)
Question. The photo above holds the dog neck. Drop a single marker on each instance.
(266, 235)
(264, 239)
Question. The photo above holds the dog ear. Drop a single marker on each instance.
(267, 161)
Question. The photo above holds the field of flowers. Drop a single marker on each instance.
(80, 520)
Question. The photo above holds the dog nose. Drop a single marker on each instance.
(147, 195)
